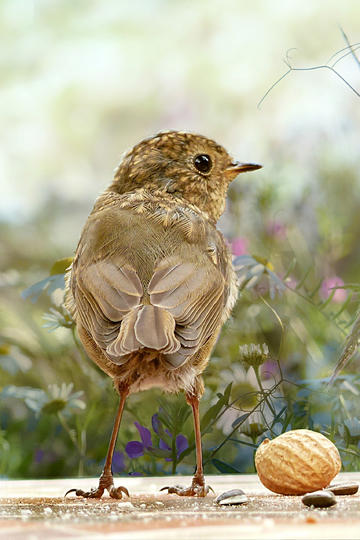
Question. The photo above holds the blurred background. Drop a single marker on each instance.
(81, 83)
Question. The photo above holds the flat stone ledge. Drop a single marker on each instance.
(34, 509)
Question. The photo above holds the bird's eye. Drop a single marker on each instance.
(203, 163)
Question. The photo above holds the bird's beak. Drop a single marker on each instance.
(236, 168)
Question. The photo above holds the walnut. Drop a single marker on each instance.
(297, 462)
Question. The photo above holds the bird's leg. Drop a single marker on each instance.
(198, 487)
(106, 480)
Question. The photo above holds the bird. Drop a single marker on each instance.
(152, 282)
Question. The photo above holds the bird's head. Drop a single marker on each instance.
(183, 165)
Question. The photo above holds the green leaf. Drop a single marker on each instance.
(5, 349)
(223, 467)
(278, 416)
(212, 413)
(60, 266)
(158, 452)
(227, 393)
(240, 420)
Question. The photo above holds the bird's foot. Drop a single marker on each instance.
(198, 488)
(106, 481)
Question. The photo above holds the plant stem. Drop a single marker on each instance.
(262, 390)
(74, 440)
(229, 436)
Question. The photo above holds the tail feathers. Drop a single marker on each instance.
(144, 326)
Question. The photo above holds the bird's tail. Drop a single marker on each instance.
(143, 327)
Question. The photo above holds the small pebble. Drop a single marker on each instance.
(126, 505)
(319, 499)
(234, 496)
(344, 489)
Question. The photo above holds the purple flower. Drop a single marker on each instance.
(155, 422)
(181, 441)
(330, 285)
(39, 455)
(239, 246)
(44, 456)
(181, 444)
(135, 449)
(118, 462)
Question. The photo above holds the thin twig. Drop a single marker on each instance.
(351, 50)
(351, 47)
(340, 51)
(282, 335)
(354, 48)
(257, 406)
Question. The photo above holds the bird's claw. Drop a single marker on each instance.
(195, 490)
(116, 493)
(104, 483)
(92, 494)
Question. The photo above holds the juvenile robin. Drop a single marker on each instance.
(152, 280)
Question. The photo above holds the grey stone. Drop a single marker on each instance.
(320, 499)
(344, 488)
(234, 496)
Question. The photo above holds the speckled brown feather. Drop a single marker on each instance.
(152, 281)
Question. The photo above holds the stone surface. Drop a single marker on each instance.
(31, 510)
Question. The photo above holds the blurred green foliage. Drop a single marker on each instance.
(269, 371)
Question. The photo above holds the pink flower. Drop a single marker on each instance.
(269, 369)
(276, 229)
(329, 286)
(291, 282)
(239, 246)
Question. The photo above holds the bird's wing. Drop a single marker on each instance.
(186, 303)
(194, 295)
(105, 292)
(143, 287)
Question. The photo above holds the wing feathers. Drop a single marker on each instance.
(117, 290)
(154, 328)
(145, 327)
(186, 303)
(167, 278)
(195, 298)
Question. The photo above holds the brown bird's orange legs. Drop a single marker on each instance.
(198, 487)
(106, 480)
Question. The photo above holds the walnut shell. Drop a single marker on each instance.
(297, 462)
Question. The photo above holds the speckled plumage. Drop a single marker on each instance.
(152, 281)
